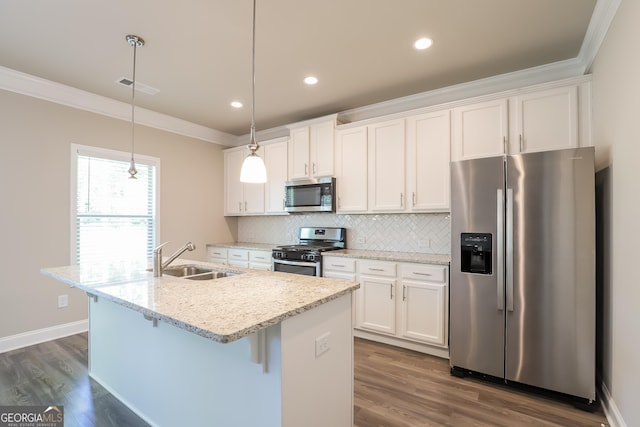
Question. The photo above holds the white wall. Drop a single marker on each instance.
(35, 138)
(616, 115)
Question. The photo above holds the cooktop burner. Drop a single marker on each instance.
(306, 248)
(313, 241)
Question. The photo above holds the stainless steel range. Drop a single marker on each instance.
(306, 257)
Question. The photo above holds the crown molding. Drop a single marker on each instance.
(601, 19)
(36, 87)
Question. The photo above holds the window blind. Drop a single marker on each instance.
(115, 217)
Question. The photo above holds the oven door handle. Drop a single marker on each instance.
(300, 263)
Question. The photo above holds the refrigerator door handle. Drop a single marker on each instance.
(500, 248)
(509, 249)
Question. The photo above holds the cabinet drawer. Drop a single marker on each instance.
(431, 273)
(347, 265)
(215, 252)
(238, 255)
(378, 268)
(260, 256)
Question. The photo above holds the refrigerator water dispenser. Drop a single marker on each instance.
(475, 253)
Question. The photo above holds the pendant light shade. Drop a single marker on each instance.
(253, 169)
(135, 42)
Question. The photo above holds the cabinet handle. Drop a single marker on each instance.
(375, 269)
(413, 198)
(401, 205)
(404, 288)
(521, 143)
(391, 289)
(305, 169)
(421, 274)
(504, 145)
(240, 206)
(245, 206)
(314, 167)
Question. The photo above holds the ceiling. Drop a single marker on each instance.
(198, 52)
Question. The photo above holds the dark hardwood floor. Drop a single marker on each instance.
(393, 388)
(403, 388)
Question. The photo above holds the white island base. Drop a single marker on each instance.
(172, 377)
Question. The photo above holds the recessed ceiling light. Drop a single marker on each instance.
(310, 80)
(423, 43)
(236, 104)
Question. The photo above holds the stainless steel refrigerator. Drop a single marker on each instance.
(522, 291)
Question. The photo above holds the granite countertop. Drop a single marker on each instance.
(245, 245)
(223, 310)
(392, 256)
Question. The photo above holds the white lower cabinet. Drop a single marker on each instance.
(217, 254)
(402, 304)
(240, 257)
(260, 260)
(422, 309)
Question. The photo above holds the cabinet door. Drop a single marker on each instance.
(253, 198)
(299, 153)
(422, 311)
(480, 130)
(428, 148)
(386, 187)
(233, 188)
(217, 255)
(351, 169)
(376, 304)
(275, 157)
(546, 120)
(322, 139)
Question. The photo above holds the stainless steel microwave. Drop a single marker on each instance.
(310, 195)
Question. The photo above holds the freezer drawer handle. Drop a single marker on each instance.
(500, 243)
(509, 248)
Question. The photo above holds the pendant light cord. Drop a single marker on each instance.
(253, 144)
(133, 97)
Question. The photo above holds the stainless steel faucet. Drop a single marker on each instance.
(159, 266)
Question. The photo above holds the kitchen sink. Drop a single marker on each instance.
(195, 272)
(185, 270)
(213, 275)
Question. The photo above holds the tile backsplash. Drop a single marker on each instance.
(425, 233)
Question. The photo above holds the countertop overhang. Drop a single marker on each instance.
(223, 310)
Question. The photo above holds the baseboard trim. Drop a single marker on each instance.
(38, 336)
(610, 409)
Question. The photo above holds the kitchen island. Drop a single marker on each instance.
(256, 348)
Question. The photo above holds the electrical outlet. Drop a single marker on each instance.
(424, 244)
(63, 301)
(322, 344)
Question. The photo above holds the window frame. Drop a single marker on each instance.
(105, 153)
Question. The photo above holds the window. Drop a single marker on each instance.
(113, 217)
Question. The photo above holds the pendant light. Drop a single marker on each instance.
(135, 42)
(253, 169)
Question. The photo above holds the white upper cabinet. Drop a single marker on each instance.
(386, 184)
(256, 199)
(545, 120)
(275, 159)
(233, 188)
(480, 130)
(299, 149)
(311, 150)
(549, 117)
(427, 166)
(322, 139)
(351, 170)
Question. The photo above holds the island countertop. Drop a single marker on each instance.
(223, 310)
